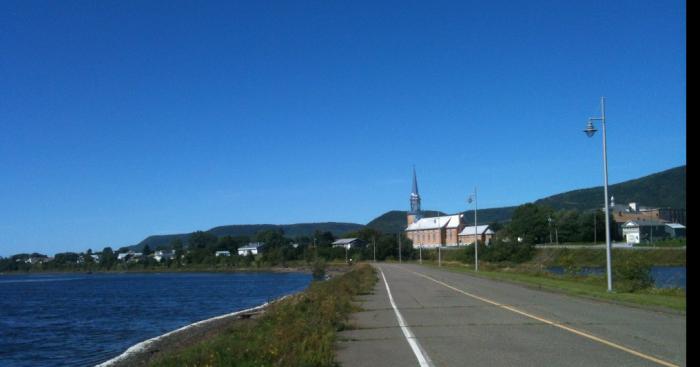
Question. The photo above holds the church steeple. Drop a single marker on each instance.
(414, 213)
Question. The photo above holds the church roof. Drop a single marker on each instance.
(483, 229)
(447, 221)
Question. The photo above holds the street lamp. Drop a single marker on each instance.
(476, 235)
(590, 130)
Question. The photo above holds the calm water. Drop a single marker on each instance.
(664, 276)
(82, 320)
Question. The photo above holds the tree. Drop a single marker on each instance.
(146, 250)
(202, 240)
(530, 222)
(108, 258)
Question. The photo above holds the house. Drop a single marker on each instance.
(222, 253)
(643, 231)
(135, 257)
(348, 243)
(37, 259)
(469, 233)
(161, 255)
(252, 248)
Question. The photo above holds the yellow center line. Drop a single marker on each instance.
(552, 323)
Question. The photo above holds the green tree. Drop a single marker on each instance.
(530, 222)
(146, 250)
(108, 259)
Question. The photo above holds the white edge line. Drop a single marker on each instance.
(146, 343)
(423, 359)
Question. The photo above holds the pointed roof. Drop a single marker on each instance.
(414, 189)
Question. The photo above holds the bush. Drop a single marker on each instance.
(632, 274)
(508, 251)
(318, 269)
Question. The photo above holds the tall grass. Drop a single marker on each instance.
(297, 331)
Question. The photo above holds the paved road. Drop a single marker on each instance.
(444, 318)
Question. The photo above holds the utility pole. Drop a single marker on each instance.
(595, 227)
(374, 248)
(420, 253)
(439, 255)
(476, 234)
(399, 248)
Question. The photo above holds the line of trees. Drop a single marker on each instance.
(514, 241)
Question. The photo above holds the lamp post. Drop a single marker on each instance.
(590, 130)
(476, 235)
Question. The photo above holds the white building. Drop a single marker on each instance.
(348, 243)
(161, 255)
(222, 253)
(253, 248)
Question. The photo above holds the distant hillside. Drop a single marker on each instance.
(663, 189)
(290, 230)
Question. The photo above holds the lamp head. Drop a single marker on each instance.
(590, 129)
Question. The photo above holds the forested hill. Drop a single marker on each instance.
(290, 230)
(662, 190)
(394, 221)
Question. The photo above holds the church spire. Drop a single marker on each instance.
(415, 183)
(414, 213)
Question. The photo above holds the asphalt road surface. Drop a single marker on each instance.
(422, 316)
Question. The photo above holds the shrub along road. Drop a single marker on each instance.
(440, 318)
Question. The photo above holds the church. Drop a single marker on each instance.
(447, 230)
(433, 231)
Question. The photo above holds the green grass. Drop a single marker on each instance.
(584, 286)
(297, 331)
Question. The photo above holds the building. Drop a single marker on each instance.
(252, 248)
(634, 212)
(161, 255)
(484, 233)
(644, 231)
(222, 253)
(348, 243)
(435, 231)
(675, 230)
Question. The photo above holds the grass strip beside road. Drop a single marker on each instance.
(584, 286)
(297, 331)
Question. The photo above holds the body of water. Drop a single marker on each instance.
(86, 319)
(664, 276)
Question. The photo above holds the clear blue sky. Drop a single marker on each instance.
(122, 119)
